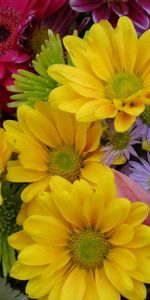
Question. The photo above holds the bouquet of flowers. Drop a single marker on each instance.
(74, 150)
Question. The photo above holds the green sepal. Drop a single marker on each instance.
(7, 255)
(30, 87)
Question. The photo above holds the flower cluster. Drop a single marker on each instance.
(74, 150)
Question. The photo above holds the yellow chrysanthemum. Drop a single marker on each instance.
(80, 243)
(110, 77)
(5, 152)
(50, 142)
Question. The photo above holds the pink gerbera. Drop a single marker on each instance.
(14, 17)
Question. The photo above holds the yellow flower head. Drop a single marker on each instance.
(50, 142)
(5, 152)
(80, 243)
(110, 77)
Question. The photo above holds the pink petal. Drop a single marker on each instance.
(9, 56)
(139, 16)
(2, 71)
(101, 13)
(128, 188)
(54, 6)
(145, 4)
(84, 5)
(120, 8)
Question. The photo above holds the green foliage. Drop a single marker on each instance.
(8, 212)
(8, 293)
(29, 87)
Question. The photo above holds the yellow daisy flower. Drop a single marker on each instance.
(50, 142)
(110, 77)
(80, 243)
(5, 153)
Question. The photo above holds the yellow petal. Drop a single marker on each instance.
(23, 214)
(142, 273)
(72, 106)
(105, 288)
(36, 122)
(63, 73)
(143, 53)
(20, 174)
(38, 287)
(80, 138)
(105, 178)
(113, 213)
(141, 237)
(123, 257)
(92, 207)
(82, 190)
(64, 123)
(139, 291)
(33, 159)
(96, 173)
(87, 111)
(36, 255)
(91, 291)
(121, 235)
(93, 137)
(77, 49)
(134, 108)
(33, 189)
(70, 208)
(62, 94)
(119, 278)
(55, 292)
(21, 116)
(123, 121)
(74, 286)
(42, 205)
(100, 51)
(41, 286)
(46, 230)
(20, 240)
(106, 111)
(58, 265)
(88, 92)
(23, 272)
(58, 183)
(138, 213)
(123, 36)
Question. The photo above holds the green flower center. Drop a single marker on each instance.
(123, 85)
(65, 162)
(88, 248)
(120, 140)
(145, 116)
(37, 39)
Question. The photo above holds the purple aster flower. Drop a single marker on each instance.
(143, 125)
(137, 10)
(140, 172)
(119, 146)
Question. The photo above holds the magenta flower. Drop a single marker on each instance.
(137, 10)
(14, 17)
(37, 31)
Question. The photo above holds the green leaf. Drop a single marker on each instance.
(29, 87)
